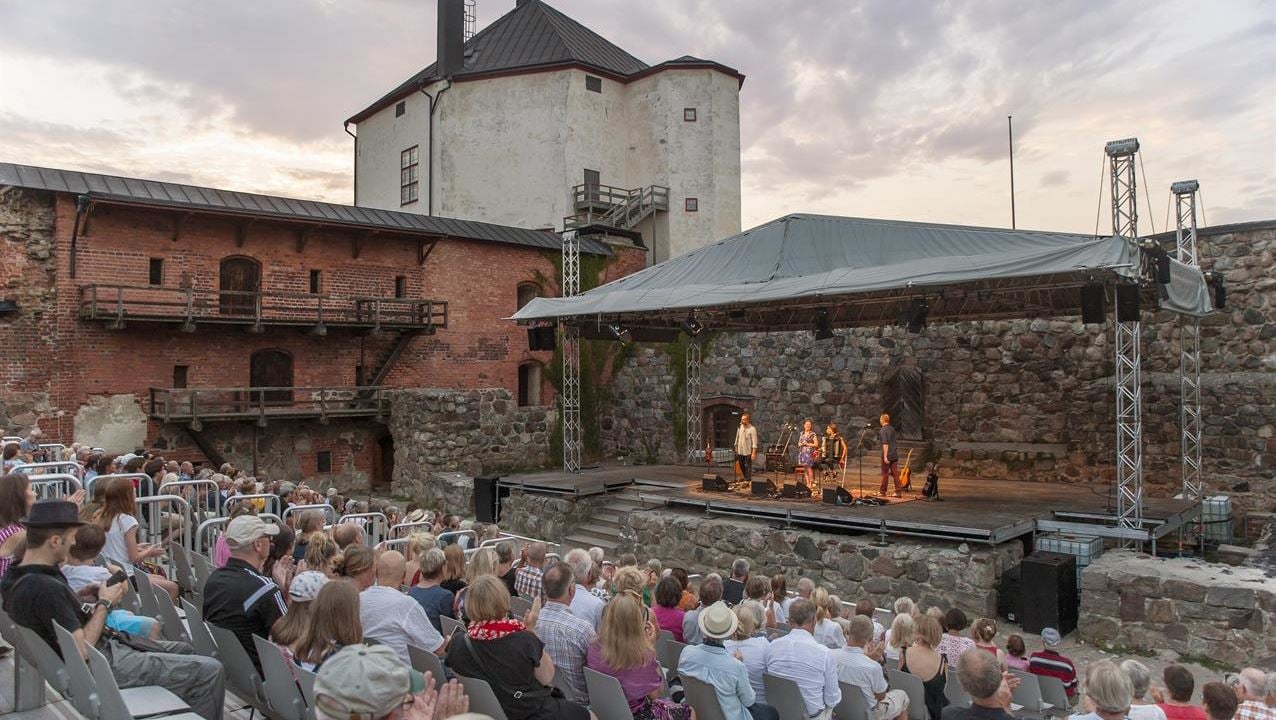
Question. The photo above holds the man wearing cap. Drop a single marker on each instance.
(710, 664)
(371, 683)
(238, 597)
(859, 664)
(36, 596)
(1050, 663)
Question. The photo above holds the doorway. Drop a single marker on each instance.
(239, 279)
(271, 369)
(904, 400)
(383, 463)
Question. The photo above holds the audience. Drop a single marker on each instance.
(728, 676)
(335, 624)
(750, 648)
(392, 618)
(1256, 692)
(429, 593)
(665, 609)
(322, 555)
(505, 569)
(1050, 663)
(288, 630)
(989, 688)
(238, 597)
(1141, 706)
(984, 632)
(954, 643)
(121, 527)
(1219, 701)
(924, 660)
(798, 657)
(84, 569)
(898, 636)
(585, 605)
(16, 497)
(688, 600)
(860, 664)
(625, 649)
(828, 609)
(1108, 692)
(369, 682)
(1016, 653)
(1179, 684)
(733, 587)
(780, 596)
(566, 636)
(454, 570)
(710, 593)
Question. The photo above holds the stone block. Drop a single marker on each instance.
(1183, 590)
(852, 566)
(1161, 610)
(1231, 597)
(886, 565)
(1132, 607)
(1202, 611)
(877, 585)
(918, 571)
(1098, 630)
(1101, 603)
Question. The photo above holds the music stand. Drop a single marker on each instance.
(859, 450)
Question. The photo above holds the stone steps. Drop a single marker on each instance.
(603, 528)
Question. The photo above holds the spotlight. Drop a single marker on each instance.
(1122, 148)
(692, 327)
(823, 327)
(918, 311)
(1162, 266)
(620, 333)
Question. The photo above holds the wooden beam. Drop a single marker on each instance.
(303, 237)
(423, 250)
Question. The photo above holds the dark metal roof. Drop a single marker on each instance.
(133, 191)
(532, 35)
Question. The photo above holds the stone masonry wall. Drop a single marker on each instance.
(546, 517)
(1135, 601)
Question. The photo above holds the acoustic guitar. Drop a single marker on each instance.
(906, 475)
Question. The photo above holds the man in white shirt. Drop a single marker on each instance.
(585, 605)
(859, 665)
(746, 446)
(393, 618)
(799, 658)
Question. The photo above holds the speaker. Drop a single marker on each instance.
(710, 482)
(829, 496)
(541, 338)
(844, 497)
(789, 490)
(1163, 267)
(1094, 304)
(1127, 301)
(1048, 588)
(487, 498)
(1009, 604)
(1220, 295)
(761, 487)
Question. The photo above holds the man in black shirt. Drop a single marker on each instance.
(990, 690)
(733, 587)
(890, 456)
(238, 597)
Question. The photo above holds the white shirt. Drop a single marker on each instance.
(1145, 712)
(82, 576)
(587, 606)
(116, 548)
(754, 652)
(746, 440)
(781, 611)
(829, 634)
(799, 658)
(857, 669)
(395, 619)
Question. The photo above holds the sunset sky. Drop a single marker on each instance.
(893, 109)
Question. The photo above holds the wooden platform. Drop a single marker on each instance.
(970, 510)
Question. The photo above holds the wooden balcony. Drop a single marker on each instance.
(117, 305)
(615, 207)
(263, 404)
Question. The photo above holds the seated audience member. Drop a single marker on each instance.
(81, 571)
(334, 624)
(780, 596)
(750, 648)
(509, 656)
(358, 563)
(651, 575)
(310, 522)
(899, 636)
(291, 628)
(454, 570)
(798, 657)
(1179, 684)
(923, 660)
(281, 554)
(733, 587)
(903, 606)
(566, 636)
(710, 593)
(668, 616)
(392, 618)
(866, 608)
(121, 527)
(505, 568)
(1016, 653)
(1141, 706)
(369, 682)
(413, 550)
(711, 663)
(433, 598)
(688, 600)
(984, 632)
(1255, 690)
(482, 562)
(1220, 701)
(1050, 663)
(1107, 694)
(527, 579)
(626, 650)
(828, 609)
(990, 690)
(954, 642)
(757, 592)
(347, 534)
(585, 605)
(322, 555)
(36, 596)
(630, 579)
(859, 664)
(238, 597)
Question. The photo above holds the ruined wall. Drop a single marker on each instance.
(27, 272)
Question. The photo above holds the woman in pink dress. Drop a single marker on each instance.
(668, 616)
(808, 444)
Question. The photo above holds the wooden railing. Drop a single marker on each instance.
(244, 403)
(615, 207)
(118, 304)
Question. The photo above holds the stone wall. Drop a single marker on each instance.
(474, 431)
(1024, 399)
(546, 517)
(1134, 601)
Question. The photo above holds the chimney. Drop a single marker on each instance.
(451, 21)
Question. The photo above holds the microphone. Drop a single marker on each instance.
(868, 425)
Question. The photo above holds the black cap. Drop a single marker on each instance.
(53, 514)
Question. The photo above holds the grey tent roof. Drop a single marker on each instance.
(818, 258)
(167, 194)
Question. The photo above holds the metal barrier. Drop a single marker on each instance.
(447, 538)
(165, 518)
(403, 530)
(400, 544)
(374, 526)
(204, 540)
(508, 537)
(330, 514)
(270, 503)
(54, 486)
(56, 448)
(204, 496)
(10, 439)
(135, 477)
(41, 468)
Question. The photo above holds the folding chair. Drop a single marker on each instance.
(241, 674)
(883, 617)
(450, 626)
(182, 567)
(38, 653)
(519, 606)
(28, 682)
(783, 695)
(482, 700)
(912, 686)
(560, 682)
(146, 594)
(171, 626)
(280, 687)
(606, 697)
(306, 681)
(201, 639)
(672, 653)
(89, 695)
(955, 693)
(853, 705)
(116, 705)
(1028, 694)
(1054, 693)
(203, 568)
(424, 661)
(703, 699)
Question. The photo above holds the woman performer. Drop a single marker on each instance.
(832, 448)
(808, 445)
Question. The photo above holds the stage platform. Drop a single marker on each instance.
(971, 510)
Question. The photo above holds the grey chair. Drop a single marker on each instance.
(306, 681)
(912, 686)
(450, 626)
(37, 652)
(560, 682)
(278, 683)
(1028, 694)
(672, 653)
(146, 594)
(203, 568)
(171, 626)
(28, 681)
(955, 693)
(201, 639)
(606, 697)
(115, 705)
(89, 696)
(182, 567)
(853, 705)
(424, 661)
(241, 674)
(1054, 693)
(519, 606)
(883, 617)
(783, 695)
(482, 700)
(702, 698)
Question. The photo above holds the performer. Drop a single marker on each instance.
(832, 448)
(746, 446)
(808, 443)
(890, 456)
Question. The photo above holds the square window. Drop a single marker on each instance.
(400, 108)
(691, 205)
(689, 114)
(179, 375)
(323, 461)
(157, 271)
(593, 83)
(316, 282)
(400, 286)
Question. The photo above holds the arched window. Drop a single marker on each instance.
(527, 291)
(529, 384)
(239, 278)
(271, 369)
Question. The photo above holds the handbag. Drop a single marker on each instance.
(541, 692)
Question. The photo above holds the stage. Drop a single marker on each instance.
(971, 510)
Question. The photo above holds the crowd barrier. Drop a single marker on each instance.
(330, 514)
(54, 486)
(374, 526)
(269, 503)
(66, 467)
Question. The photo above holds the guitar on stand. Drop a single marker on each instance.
(906, 475)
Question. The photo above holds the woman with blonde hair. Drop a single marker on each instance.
(483, 562)
(121, 527)
(629, 579)
(626, 650)
(414, 549)
(899, 636)
(507, 654)
(321, 555)
(454, 570)
(359, 564)
(751, 648)
(984, 631)
(923, 660)
(827, 609)
(334, 624)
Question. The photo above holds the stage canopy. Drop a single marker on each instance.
(859, 272)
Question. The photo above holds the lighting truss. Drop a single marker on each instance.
(570, 395)
(694, 442)
(1185, 192)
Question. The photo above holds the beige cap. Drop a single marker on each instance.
(243, 530)
(365, 681)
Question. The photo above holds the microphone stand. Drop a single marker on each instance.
(859, 450)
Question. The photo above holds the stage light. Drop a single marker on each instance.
(1183, 187)
(1122, 148)
(1162, 266)
(823, 327)
(620, 333)
(692, 327)
(918, 311)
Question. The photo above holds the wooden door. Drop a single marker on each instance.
(239, 275)
(904, 395)
(271, 369)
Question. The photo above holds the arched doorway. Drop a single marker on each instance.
(720, 422)
(271, 369)
(238, 277)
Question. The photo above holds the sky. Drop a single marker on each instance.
(873, 108)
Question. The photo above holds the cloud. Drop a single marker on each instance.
(1055, 178)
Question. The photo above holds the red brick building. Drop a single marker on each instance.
(145, 313)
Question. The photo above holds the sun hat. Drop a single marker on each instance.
(244, 529)
(1050, 637)
(305, 587)
(717, 621)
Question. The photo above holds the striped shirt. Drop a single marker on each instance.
(566, 639)
(1052, 664)
(1255, 710)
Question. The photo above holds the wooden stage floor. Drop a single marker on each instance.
(971, 509)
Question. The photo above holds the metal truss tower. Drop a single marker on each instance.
(1129, 392)
(1185, 192)
(694, 430)
(570, 335)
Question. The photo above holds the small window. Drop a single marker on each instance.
(593, 84)
(529, 384)
(691, 205)
(157, 271)
(323, 461)
(527, 291)
(179, 375)
(689, 114)
(400, 286)
(400, 108)
(409, 168)
(316, 282)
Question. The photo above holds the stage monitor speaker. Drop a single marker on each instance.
(761, 487)
(541, 338)
(1048, 589)
(789, 490)
(1127, 300)
(1094, 302)
(1009, 605)
(486, 498)
(829, 496)
(711, 482)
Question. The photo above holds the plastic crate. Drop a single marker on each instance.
(1085, 548)
(1216, 513)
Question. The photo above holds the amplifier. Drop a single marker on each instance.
(762, 487)
(776, 462)
(712, 482)
(829, 496)
(1048, 592)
